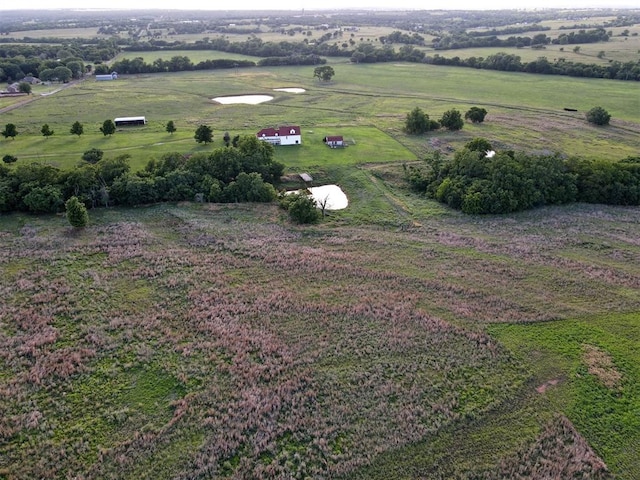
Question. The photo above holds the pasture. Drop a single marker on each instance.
(396, 339)
(525, 112)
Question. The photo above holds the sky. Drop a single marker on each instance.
(321, 4)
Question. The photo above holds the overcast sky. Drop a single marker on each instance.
(321, 4)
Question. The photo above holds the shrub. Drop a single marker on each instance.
(475, 114)
(301, 207)
(93, 156)
(598, 116)
(76, 213)
(9, 159)
(452, 120)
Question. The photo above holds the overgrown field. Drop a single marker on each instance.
(209, 341)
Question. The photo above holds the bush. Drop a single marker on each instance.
(475, 114)
(9, 159)
(76, 213)
(598, 116)
(301, 207)
(93, 156)
(417, 122)
(47, 199)
(452, 120)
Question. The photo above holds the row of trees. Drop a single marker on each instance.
(512, 63)
(508, 181)
(228, 174)
(418, 122)
(477, 40)
(108, 128)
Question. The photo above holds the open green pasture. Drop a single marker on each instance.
(195, 56)
(525, 112)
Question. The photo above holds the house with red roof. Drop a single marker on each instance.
(334, 141)
(289, 135)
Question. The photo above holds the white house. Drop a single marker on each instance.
(289, 135)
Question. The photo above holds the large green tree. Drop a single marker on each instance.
(62, 74)
(324, 73)
(108, 127)
(77, 128)
(417, 122)
(10, 130)
(204, 134)
(170, 128)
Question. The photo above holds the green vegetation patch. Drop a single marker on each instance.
(608, 415)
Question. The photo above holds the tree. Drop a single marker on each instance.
(76, 213)
(9, 159)
(452, 120)
(10, 130)
(170, 128)
(24, 87)
(417, 122)
(46, 199)
(475, 114)
(204, 134)
(77, 128)
(301, 207)
(108, 127)
(46, 131)
(227, 139)
(324, 73)
(598, 116)
(93, 155)
(479, 145)
(63, 74)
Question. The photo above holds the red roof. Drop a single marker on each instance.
(279, 132)
(333, 139)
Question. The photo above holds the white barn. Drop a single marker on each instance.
(289, 135)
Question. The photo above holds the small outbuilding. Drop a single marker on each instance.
(107, 77)
(334, 141)
(127, 121)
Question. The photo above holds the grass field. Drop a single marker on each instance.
(396, 339)
(374, 96)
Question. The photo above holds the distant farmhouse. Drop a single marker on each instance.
(334, 141)
(289, 135)
(126, 121)
(109, 76)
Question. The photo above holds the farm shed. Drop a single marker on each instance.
(125, 121)
(334, 141)
(289, 135)
(109, 76)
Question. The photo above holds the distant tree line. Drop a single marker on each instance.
(246, 173)
(476, 40)
(512, 63)
(508, 181)
(178, 63)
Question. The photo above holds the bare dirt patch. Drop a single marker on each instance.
(549, 383)
(601, 365)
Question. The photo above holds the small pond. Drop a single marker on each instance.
(290, 90)
(333, 194)
(248, 99)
